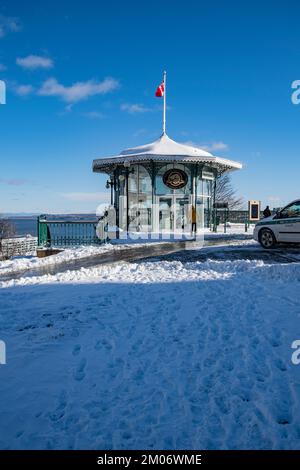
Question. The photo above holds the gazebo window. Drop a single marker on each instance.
(203, 200)
(140, 199)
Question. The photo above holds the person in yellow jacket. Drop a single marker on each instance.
(194, 219)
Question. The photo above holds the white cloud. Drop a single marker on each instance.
(14, 181)
(212, 147)
(139, 132)
(23, 90)
(134, 108)
(8, 25)
(217, 146)
(93, 115)
(34, 62)
(87, 197)
(78, 91)
(2, 67)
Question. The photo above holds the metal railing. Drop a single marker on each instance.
(69, 232)
(235, 216)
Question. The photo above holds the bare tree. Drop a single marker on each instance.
(226, 193)
(7, 229)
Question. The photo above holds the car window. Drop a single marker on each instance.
(293, 210)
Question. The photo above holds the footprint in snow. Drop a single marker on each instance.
(75, 333)
(59, 411)
(79, 373)
(103, 344)
(76, 350)
(280, 365)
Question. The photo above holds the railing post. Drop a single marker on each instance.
(42, 231)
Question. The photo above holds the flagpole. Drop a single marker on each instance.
(164, 112)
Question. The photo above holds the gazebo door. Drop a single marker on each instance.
(174, 214)
(166, 215)
(181, 211)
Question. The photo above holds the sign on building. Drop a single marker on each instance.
(208, 175)
(254, 210)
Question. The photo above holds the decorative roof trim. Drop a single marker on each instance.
(101, 164)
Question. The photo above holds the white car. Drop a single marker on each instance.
(283, 227)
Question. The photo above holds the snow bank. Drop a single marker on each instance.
(21, 263)
(163, 271)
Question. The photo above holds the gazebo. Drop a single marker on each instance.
(163, 187)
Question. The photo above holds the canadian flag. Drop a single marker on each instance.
(160, 90)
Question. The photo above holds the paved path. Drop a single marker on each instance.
(131, 253)
(251, 252)
(181, 250)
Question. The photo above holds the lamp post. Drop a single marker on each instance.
(110, 184)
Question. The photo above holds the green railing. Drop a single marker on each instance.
(69, 232)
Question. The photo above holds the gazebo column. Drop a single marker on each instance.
(194, 174)
(213, 203)
(127, 199)
(153, 209)
(116, 200)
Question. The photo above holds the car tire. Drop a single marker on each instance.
(267, 239)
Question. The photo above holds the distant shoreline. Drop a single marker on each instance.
(34, 216)
(27, 224)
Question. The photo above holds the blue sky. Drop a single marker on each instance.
(230, 67)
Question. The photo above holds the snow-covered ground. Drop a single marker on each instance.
(231, 230)
(152, 354)
(22, 263)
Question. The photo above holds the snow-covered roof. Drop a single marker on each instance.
(165, 149)
(166, 146)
